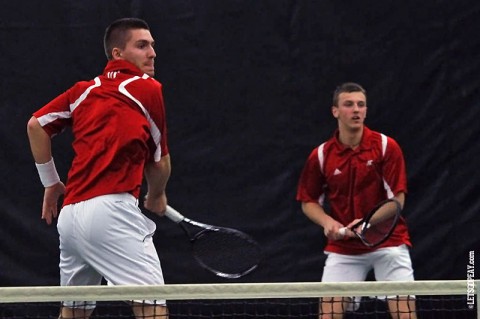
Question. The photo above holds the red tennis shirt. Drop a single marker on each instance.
(118, 123)
(353, 182)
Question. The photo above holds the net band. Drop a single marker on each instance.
(234, 291)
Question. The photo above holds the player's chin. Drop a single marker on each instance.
(150, 70)
(355, 125)
(357, 121)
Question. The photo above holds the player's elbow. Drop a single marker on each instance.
(163, 167)
(33, 125)
(165, 163)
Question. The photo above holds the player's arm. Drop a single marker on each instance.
(157, 175)
(394, 172)
(39, 141)
(41, 147)
(400, 198)
(388, 210)
(316, 213)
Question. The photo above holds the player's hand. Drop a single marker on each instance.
(346, 232)
(50, 201)
(157, 205)
(331, 230)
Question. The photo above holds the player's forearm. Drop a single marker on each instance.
(40, 142)
(400, 197)
(157, 175)
(390, 209)
(316, 213)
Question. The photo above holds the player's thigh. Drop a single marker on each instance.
(345, 268)
(121, 241)
(342, 268)
(74, 269)
(122, 247)
(393, 264)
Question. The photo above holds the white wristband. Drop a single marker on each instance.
(48, 173)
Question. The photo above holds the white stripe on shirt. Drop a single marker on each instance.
(50, 117)
(154, 131)
(84, 95)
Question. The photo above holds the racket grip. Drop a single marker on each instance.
(342, 231)
(174, 215)
(365, 226)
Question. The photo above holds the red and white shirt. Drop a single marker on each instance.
(354, 181)
(118, 123)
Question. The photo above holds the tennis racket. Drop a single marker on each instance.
(226, 252)
(378, 225)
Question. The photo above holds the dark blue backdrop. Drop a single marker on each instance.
(248, 87)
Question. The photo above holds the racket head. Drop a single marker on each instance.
(377, 227)
(226, 252)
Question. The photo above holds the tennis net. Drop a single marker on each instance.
(433, 299)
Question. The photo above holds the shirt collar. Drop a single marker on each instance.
(365, 142)
(122, 66)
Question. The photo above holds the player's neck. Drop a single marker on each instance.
(350, 138)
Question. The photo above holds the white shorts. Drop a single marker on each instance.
(388, 264)
(108, 236)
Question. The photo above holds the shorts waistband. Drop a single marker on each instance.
(127, 197)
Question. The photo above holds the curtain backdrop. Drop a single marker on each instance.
(248, 88)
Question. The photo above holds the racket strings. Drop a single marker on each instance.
(226, 252)
(379, 231)
(381, 224)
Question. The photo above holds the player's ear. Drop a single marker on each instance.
(334, 111)
(116, 53)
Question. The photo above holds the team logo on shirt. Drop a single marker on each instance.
(112, 75)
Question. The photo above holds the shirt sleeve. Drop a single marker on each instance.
(162, 123)
(311, 183)
(156, 110)
(55, 115)
(394, 169)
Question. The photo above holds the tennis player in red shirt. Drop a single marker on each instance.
(120, 137)
(353, 171)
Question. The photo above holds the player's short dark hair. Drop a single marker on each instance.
(118, 32)
(347, 87)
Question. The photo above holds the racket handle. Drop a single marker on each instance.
(174, 215)
(342, 231)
